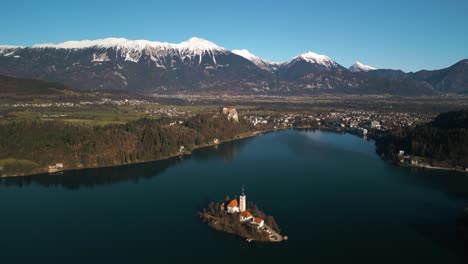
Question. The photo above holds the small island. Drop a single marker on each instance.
(242, 219)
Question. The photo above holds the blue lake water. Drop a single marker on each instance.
(330, 193)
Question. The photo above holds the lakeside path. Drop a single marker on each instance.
(438, 168)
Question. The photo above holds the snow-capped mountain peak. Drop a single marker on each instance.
(192, 50)
(195, 43)
(133, 50)
(9, 51)
(103, 43)
(246, 54)
(261, 63)
(315, 58)
(360, 67)
(9, 47)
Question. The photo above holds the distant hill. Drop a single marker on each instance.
(388, 74)
(451, 120)
(451, 79)
(21, 88)
(11, 86)
(442, 142)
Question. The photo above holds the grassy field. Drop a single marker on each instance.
(17, 164)
(89, 115)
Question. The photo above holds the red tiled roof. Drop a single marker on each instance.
(258, 220)
(233, 203)
(246, 214)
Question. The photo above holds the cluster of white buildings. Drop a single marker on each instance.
(55, 168)
(104, 101)
(234, 207)
(169, 112)
(132, 102)
(257, 120)
(362, 121)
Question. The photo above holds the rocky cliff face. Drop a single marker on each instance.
(231, 113)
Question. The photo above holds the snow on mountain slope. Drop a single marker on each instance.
(194, 44)
(261, 63)
(246, 54)
(119, 63)
(200, 65)
(100, 57)
(9, 47)
(198, 45)
(132, 50)
(359, 67)
(8, 50)
(193, 51)
(315, 58)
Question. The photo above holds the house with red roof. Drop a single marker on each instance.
(233, 206)
(258, 221)
(245, 216)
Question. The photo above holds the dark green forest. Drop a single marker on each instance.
(28, 147)
(20, 87)
(444, 141)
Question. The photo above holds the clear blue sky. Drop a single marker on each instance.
(408, 35)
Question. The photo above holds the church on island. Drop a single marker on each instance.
(240, 207)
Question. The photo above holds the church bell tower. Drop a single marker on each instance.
(242, 200)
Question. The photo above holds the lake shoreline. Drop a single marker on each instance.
(179, 154)
(240, 137)
(426, 166)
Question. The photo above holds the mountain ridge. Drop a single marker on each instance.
(358, 67)
(198, 65)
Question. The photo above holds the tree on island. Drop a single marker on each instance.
(269, 220)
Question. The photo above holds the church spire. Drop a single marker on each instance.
(242, 201)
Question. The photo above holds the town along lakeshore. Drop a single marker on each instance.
(72, 146)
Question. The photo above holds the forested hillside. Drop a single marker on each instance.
(443, 142)
(30, 146)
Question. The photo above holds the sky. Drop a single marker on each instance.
(409, 35)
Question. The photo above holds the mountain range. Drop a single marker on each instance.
(197, 65)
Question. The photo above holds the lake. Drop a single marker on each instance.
(330, 194)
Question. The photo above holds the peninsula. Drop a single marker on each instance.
(243, 219)
(439, 144)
